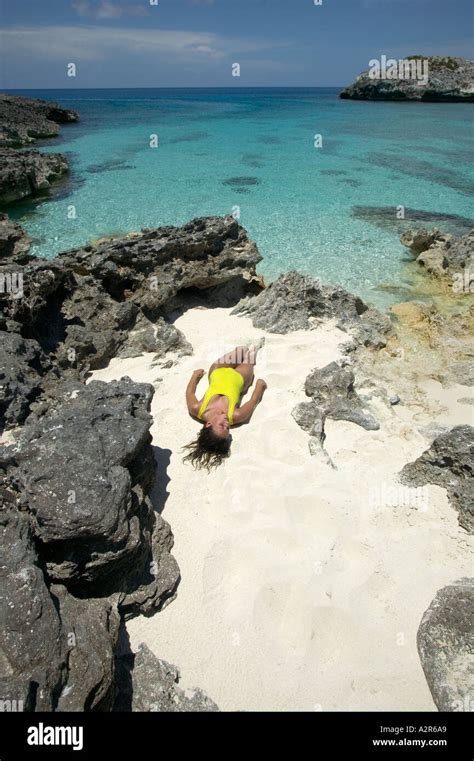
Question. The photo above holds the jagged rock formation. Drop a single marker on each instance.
(93, 523)
(28, 173)
(446, 646)
(449, 462)
(83, 546)
(24, 120)
(14, 242)
(22, 365)
(88, 305)
(448, 79)
(444, 256)
(297, 302)
(31, 647)
(149, 684)
(332, 393)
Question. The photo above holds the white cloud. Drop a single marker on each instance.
(99, 42)
(106, 9)
(88, 43)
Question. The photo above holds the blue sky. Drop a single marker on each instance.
(192, 43)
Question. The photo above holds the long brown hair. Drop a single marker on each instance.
(208, 450)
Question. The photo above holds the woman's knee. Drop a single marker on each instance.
(233, 358)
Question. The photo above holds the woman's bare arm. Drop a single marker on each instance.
(244, 413)
(191, 401)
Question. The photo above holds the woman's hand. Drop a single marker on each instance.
(198, 374)
(261, 384)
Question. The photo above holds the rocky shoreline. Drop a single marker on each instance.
(435, 79)
(27, 173)
(84, 547)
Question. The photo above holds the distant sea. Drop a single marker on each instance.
(328, 211)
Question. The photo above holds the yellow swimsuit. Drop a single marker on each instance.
(227, 381)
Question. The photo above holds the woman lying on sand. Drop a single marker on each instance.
(230, 377)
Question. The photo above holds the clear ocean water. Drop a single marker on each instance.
(328, 211)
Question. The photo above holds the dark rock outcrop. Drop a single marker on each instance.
(28, 173)
(446, 646)
(31, 638)
(297, 302)
(448, 79)
(82, 547)
(91, 631)
(159, 337)
(88, 305)
(444, 256)
(23, 364)
(14, 242)
(24, 120)
(95, 523)
(150, 684)
(332, 393)
(449, 462)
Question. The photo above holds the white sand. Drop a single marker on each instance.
(302, 587)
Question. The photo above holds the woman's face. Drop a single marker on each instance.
(219, 424)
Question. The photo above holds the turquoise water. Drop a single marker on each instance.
(329, 211)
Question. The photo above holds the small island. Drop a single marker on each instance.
(421, 78)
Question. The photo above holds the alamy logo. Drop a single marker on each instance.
(463, 282)
(42, 735)
(12, 283)
(9, 706)
(405, 68)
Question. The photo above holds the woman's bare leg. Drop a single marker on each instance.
(231, 359)
(242, 359)
(246, 368)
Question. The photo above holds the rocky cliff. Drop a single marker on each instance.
(429, 78)
(27, 173)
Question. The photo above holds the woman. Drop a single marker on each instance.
(230, 377)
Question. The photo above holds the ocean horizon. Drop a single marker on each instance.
(320, 183)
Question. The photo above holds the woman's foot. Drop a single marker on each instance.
(253, 349)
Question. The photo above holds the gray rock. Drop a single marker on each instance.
(23, 120)
(159, 337)
(297, 302)
(96, 326)
(418, 240)
(91, 629)
(332, 393)
(83, 472)
(463, 372)
(154, 687)
(74, 502)
(449, 79)
(14, 242)
(444, 256)
(449, 462)
(22, 366)
(446, 646)
(17, 695)
(31, 644)
(26, 173)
